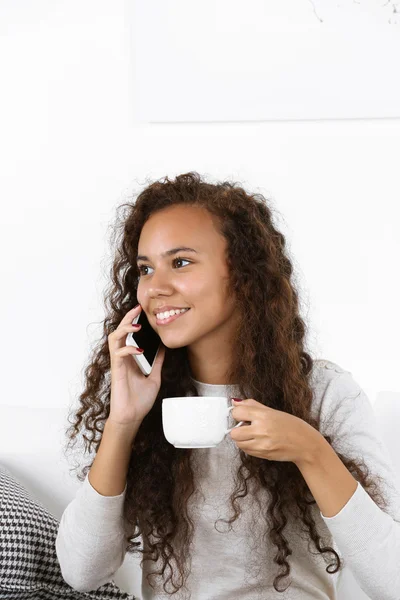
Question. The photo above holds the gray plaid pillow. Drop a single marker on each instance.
(29, 567)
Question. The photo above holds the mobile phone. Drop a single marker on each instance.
(145, 338)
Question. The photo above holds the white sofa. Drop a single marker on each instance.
(31, 443)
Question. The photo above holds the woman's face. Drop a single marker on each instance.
(198, 280)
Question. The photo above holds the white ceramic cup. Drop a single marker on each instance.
(196, 421)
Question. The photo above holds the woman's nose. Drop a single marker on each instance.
(159, 281)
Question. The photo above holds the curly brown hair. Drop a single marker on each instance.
(273, 368)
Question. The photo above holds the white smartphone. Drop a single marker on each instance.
(145, 338)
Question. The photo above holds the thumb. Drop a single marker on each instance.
(160, 358)
(155, 374)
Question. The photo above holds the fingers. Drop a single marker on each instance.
(127, 350)
(116, 339)
(131, 314)
(123, 330)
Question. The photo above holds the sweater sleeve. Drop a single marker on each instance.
(90, 543)
(367, 536)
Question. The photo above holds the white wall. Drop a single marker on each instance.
(73, 147)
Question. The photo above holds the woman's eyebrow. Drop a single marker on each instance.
(169, 252)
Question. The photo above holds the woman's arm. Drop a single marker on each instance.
(367, 537)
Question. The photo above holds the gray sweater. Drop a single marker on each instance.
(235, 564)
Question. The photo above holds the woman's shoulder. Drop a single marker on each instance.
(334, 387)
(323, 365)
(324, 371)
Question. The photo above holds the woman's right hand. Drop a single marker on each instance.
(132, 393)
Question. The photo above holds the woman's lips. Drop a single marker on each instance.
(170, 319)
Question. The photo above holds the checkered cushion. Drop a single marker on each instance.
(29, 568)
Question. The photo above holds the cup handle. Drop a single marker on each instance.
(238, 425)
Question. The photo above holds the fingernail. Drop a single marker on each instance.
(140, 349)
(237, 399)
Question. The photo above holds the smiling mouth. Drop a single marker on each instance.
(170, 319)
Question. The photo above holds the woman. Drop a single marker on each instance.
(301, 496)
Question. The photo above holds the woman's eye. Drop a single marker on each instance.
(141, 267)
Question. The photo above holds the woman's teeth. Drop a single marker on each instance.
(169, 313)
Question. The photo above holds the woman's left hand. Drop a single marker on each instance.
(273, 434)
